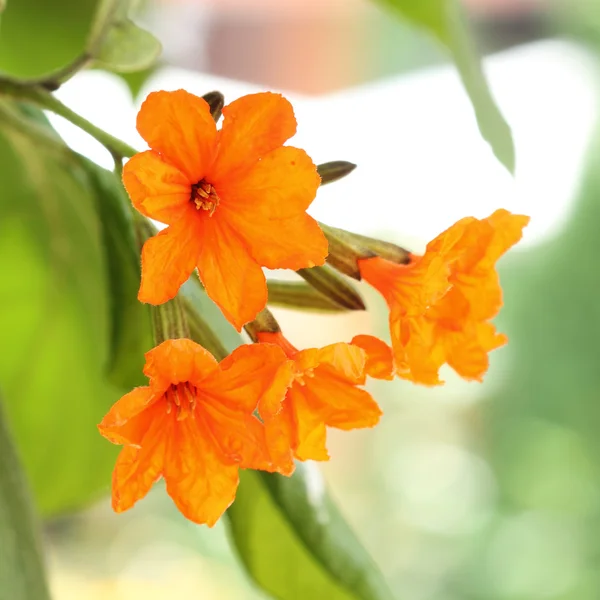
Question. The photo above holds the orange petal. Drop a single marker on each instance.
(339, 403)
(467, 351)
(254, 125)
(241, 439)
(199, 482)
(137, 469)
(346, 360)
(417, 356)
(179, 126)
(281, 185)
(281, 439)
(178, 361)
(168, 259)
(380, 360)
(410, 288)
(294, 243)
(156, 188)
(252, 375)
(310, 431)
(120, 424)
(231, 277)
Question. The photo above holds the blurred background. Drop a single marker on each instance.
(464, 492)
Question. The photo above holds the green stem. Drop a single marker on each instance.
(45, 99)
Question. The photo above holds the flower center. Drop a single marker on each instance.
(183, 397)
(300, 376)
(204, 196)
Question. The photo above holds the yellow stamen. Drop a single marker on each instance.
(205, 197)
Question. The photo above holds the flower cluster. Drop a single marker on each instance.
(234, 200)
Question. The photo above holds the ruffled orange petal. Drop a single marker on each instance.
(281, 185)
(241, 439)
(177, 361)
(137, 469)
(232, 278)
(128, 419)
(252, 375)
(180, 127)
(380, 360)
(295, 243)
(339, 403)
(254, 125)
(346, 360)
(309, 428)
(157, 189)
(168, 259)
(408, 288)
(199, 482)
(416, 355)
(467, 350)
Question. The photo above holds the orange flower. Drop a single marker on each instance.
(441, 303)
(325, 392)
(194, 425)
(234, 200)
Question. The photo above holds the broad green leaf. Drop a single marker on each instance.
(55, 323)
(21, 567)
(40, 36)
(131, 333)
(445, 21)
(128, 48)
(295, 543)
(290, 536)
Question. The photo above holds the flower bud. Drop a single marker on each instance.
(300, 295)
(265, 322)
(334, 287)
(334, 170)
(215, 101)
(346, 248)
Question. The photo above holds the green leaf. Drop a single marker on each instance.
(33, 40)
(21, 567)
(131, 332)
(290, 536)
(444, 19)
(55, 322)
(295, 543)
(128, 48)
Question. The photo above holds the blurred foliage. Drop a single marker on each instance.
(316, 553)
(541, 423)
(39, 37)
(445, 21)
(55, 318)
(21, 569)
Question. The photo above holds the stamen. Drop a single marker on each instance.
(183, 397)
(205, 197)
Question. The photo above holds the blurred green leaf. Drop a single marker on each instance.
(128, 48)
(444, 19)
(131, 333)
(42, 36)
(21, 567)
(290, 536)
(55, 322)
(294, 542)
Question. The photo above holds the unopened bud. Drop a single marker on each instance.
(265, 322)
(300, 295)
(346, 249)
(215, 101)
(334, 170)
(334, 287)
